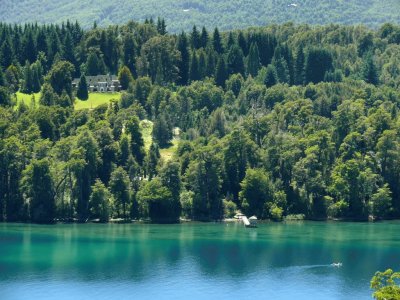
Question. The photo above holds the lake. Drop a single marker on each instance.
(195, 261)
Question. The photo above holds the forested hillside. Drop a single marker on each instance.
(274, 121)
(183, 14)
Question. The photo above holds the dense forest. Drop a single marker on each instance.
(224, 14)
(278, 121)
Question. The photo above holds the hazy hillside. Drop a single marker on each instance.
(182, 14)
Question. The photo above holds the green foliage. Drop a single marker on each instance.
(119, 188)
(82, 92)
(386, 285)
(318, 62)
(125, 77)
(38, 186)
(224, 14)
(256, 192)
(100, 202)
(157, 202)
(307, 135)
(230, 209)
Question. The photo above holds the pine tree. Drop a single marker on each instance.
(29, 48)
(202, 64)
(282, 70)
(161, 27)
(270, 78)
(370, 71)
(253, 60)
(242, 42)
(221, 73)
(36, 73)
(125, 77)
(299, 68)
(136, 139)
(152, 159)
(318, 62)
(194, 68)
(82, 92)
(184, 61)
(235, 60)
(6, 54)
(210, 63)
(217, 43)
(195, 38)
(162, 131)
(204, 38)
(68, 49)
(28, 79)
(231, 40)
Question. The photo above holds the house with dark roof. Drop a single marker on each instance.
(100, 83)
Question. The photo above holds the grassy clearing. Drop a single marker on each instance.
(147, 129)
(167, 153)
(96, 99)
(26, 98)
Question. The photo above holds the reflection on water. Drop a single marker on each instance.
(284, 260)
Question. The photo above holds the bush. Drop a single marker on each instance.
(229, 209)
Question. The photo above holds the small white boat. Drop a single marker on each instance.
(336, 265)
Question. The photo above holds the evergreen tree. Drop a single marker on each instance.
(299, 67)
(125, 77)
(28, 79)
(195, 38)
(29, 47)
(242, 42)
(231, 41)
(202, 64)
(370, 71)
(152, 159)
(217, 43)
(318, 62)
(194, 68)
(129, 52)
(119, 188)
(94, 65)
(170, 177)
(161, 27)
(136, 139)
(6, 54)
(271, 78)
(36, 74)
(235, 60)
(221, 73)
(2, 79)
(183, 64)
(162, 131)
(253, 61)
(82, 91)
(204, 38)
(282, 70)
(210, 63)
(38, 186)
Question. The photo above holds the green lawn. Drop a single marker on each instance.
(147, 129)
(167, 153)
(27, 99)
(95, 99)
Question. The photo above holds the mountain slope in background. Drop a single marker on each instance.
(183, 14)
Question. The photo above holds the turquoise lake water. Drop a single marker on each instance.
(195, 261)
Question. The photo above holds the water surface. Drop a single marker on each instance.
(196, 261)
